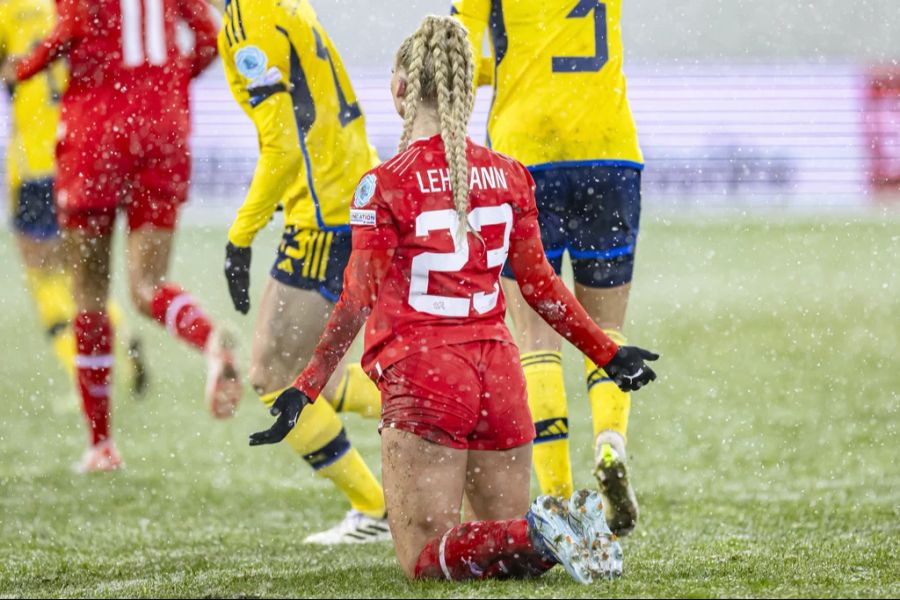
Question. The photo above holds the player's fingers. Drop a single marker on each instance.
(647, 354)
(261, 437)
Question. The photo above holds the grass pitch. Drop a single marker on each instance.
(765, 457)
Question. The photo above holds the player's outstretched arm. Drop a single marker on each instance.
(551, 299)
(196, 15)
(365, 271)
(280, 160)
(54, 45)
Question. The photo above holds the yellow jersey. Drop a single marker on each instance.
(287, 76)
(31, 152)
(559, 89)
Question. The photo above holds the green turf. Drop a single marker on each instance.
(765, 456)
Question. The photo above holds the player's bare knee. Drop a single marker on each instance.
(265, 377)
(142, 296)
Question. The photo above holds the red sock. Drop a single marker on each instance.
(94, 361)
(481, 550)
(182, 316)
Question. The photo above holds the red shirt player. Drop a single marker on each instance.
(432, 228)
(124, 144)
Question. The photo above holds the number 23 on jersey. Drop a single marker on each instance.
(455, 261)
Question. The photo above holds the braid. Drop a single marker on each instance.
(440, 69)
(413, 51)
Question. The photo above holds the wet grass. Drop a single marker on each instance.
(765, 457)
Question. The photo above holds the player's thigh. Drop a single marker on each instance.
(552, 199)
(89, 254)
(498, 482)
(606, 306)
(38, 253)
(605, 220)
(149, 253)
(288, 326)
(423, 485)
(499, 468)
(532, 332)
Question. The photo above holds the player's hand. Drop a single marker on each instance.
(237, 273)
(628, 370)
(287, 408)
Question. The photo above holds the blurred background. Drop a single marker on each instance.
(738, 103)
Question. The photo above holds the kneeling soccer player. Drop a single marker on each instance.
(432, 228)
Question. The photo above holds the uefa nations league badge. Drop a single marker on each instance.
(250, 61)
(364, 191)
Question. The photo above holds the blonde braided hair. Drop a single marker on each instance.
(439, 69)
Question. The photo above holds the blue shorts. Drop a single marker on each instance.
(34, 211)
(593, 212)
(311, 259)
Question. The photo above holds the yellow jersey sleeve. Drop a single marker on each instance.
(474, 15)
(288, 77)
(259, 84)
(568, 55)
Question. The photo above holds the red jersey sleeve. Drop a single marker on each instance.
(365, 271)
(371, 217)
(546, 293)
(68, 22)
(196, 14)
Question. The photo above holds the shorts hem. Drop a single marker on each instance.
(428, 432)
(600, 162)
(312, 286)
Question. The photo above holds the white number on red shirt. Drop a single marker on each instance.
(451, 262)
(151, 45)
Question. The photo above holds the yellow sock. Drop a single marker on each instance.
(610, 406)
(52, 294)
(116, 316)
(358, 394)
(547, 400)
(319, 437)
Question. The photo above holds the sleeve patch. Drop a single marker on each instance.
(251, 62)
(362, 217)
(364, 191)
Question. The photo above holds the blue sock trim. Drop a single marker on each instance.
(330, 452)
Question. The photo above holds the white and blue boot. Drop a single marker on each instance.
(586, 508)
(559, 537)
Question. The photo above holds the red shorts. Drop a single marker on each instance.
(105, 163)
(469, 395)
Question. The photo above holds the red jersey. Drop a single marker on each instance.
(442, 288)
(422, 285)
(127, 48)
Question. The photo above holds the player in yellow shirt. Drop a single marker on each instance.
(287, 76)
(30, 167)
(560, 107)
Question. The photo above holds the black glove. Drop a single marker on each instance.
(287, 408)
(237, 273)
(628, 369)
